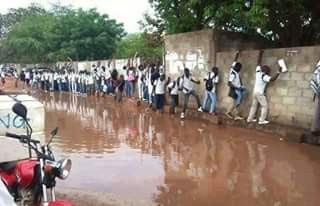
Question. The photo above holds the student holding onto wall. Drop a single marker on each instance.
(315, 86)
(259, 98)
(237, 90)
(173, 88)
(186, 84)
(211, 81)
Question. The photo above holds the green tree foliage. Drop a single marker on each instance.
(60, 34)
(286, 22)
(140, 44)
(8, 20)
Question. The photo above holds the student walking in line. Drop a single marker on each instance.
(259, 98)
(186, 84)
(141, 82)
(210, 94)
(173, 88)
(120, 86)
(159, 91)
(131, 80)
(237, 90)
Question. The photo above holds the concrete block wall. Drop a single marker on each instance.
(290, 97)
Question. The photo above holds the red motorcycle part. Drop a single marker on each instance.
(25, 172)
(61, 203)
(8, 177)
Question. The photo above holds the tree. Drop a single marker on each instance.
(285, 22)
(62, 33)
(138, 43)
(8, 20)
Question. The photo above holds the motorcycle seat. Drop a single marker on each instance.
(7, 166)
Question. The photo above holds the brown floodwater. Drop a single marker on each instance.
(141, 155)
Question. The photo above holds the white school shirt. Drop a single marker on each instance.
(63, 78)
(27, 75)
(214, 78)
(91, 80)
(149, 81)
(174, 87)
(45, 76)
(107, 74)
(49, 77)
(234, 77)
(187, 84)
(140, 75)
(42, 77)
(262, 80)
(160, 86)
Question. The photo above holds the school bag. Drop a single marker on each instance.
(209, 83)
(232, 92)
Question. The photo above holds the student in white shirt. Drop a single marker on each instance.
(262, 79)
(159, 91)
(173, 88)
(186, 83)
(91, 83)
(27, 77)
(149, 72)
(237, 90)
(107, 78)
(211, 81)
(141, 81)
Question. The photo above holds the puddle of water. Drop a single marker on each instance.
(123, 150)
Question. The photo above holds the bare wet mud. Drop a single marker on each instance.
(153, 159)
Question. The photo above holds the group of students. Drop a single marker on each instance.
(153, 85)
(237, 91)
(99, 81)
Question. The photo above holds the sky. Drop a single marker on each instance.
(128, 12)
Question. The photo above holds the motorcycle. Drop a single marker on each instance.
(32, 181)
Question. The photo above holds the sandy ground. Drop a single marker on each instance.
(86, 198)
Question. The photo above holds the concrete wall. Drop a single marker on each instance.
(114, 63)
(290, 97)
(198, 49)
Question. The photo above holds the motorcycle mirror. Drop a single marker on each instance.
(54, 132)
(20, 110)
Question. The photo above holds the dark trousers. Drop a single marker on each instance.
(174, 101)
(160, 101)
(119, 96)
(186, 99)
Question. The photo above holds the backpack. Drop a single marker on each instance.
(209, 83)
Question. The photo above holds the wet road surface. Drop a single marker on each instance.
(132, 153)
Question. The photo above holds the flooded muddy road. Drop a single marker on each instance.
(129, 152)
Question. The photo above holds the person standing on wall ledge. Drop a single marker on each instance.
(237, 91)
(262, 79)
(186, 84)
(210, 93)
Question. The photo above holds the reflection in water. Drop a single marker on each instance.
(124, 150)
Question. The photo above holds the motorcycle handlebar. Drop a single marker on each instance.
(11, 135)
